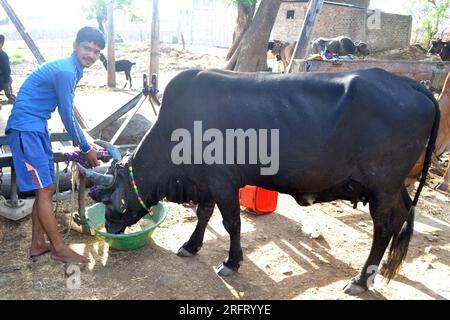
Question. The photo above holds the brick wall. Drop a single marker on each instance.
(394, 31)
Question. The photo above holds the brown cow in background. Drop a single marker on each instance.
(442, 141)
(283, 51)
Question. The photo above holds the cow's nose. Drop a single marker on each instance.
(114, 228)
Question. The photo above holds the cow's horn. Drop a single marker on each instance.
(110, 148)
(96, 178)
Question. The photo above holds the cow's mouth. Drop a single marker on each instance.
(114, 228)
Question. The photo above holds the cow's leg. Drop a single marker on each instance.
(443, 184)
(190, 248)
(231, 215)
(389, 213)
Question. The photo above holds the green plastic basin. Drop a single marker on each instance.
(95, 217)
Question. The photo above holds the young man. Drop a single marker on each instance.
(5, 73)
(51, 85)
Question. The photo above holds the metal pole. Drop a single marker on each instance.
(116, 115)
(127, 120)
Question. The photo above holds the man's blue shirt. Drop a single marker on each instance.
(51, 85)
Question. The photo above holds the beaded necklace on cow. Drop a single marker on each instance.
(136, 190)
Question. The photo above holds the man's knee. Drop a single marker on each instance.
(47, 191)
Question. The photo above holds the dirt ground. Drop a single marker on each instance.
(294, 253)
(413, 52)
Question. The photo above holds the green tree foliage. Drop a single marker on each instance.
(432, 15)
(97, 10)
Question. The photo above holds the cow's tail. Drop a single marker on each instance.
(431, 142)
(400, 240)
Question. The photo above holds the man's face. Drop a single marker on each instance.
(87, 53)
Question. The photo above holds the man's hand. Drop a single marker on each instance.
(91, 158)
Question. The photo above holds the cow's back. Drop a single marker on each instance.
(361, 121)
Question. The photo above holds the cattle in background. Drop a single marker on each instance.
(270, 45)
(283, 51)
(442, 141)
(339, 135)
(340, 45)
(270, 54)
(440, 48)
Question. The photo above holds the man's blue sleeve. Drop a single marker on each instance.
(65, 88)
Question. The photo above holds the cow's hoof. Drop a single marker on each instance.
(182, 252)
(225, 271)
(354, 288)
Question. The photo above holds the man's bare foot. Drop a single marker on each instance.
(39, 249)
(67, 255)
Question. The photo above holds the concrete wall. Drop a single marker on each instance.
(394, 30)
(202, 22)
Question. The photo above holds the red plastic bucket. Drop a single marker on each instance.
(258, 200)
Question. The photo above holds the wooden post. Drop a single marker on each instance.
(81, 200)
(154, 44)
(304, 38)
(77, 220)
(24, 34)
(111, 66)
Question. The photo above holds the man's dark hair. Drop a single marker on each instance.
(91, 34)
(2, 39)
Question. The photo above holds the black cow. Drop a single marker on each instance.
(341, 46)
(441, 48)
(352, 136)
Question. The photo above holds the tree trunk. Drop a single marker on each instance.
(251, 53)
(245, 16)
(154, 42)
(111, 62)
(100, 21)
